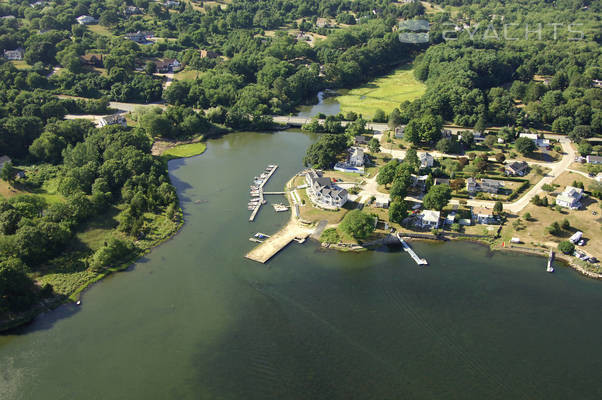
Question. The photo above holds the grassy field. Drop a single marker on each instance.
(386, 93)
(20, 64)
(186, 150)
(186, 75)
(100, 30)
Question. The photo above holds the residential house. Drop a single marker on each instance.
(593, 159)
(516, 168)
(597, 83)
(323, 192)
(486, 185)
(16, 54)
(356, 158)
(132, 10)
(171, 4)
(85, 20)
(361, 139)
(4, 160)
(482, 215)
(419, 181)
(426, 160)
(440, 181)
(446, 133)
(381, 201)
(539, 142)
(5, 17)
(114, 119)
(399, 132)
(471, 185)
(322, 23)
(490, 185)
(139, 37)
(429, 219)
(168, 65)
(208, 54)
(38, 4)
(570, 198)
(94, 60)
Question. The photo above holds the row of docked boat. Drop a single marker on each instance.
(257, 184)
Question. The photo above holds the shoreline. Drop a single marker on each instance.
(50, 304)
(391, 240)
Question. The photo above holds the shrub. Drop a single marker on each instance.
(566, 247)
(527, 216)
(330, 236)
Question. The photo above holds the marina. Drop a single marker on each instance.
(256, 190)
(410, 251)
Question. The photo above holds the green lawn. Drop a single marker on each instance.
(386, 93)
(186, 150)
(20, 64)
(100, 30)
(186, 75)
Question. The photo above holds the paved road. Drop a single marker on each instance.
(299, 121)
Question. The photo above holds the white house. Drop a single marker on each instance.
(16, 54)
(323, 192)
(570, 198)
(593, 159)
(486, 185)
(471, 185)
(168, 65)
(356, 158)
(429, 219)
(541, 143)
(85, 20)
(426, 160)
(114, 119)
(482, 215)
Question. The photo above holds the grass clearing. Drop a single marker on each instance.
(185, 150)
(386, 93)
(186, 75)
(20, 64)
(100, 30)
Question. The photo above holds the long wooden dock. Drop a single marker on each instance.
(410, 251)
(260, 191)
(272, 245)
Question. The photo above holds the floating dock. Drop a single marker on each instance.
(550, 260)
(410, 251)
(259, 191)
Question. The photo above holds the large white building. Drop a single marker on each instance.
(426, 160)
(322, 192)
(539, 142)
(570, 198)
(356, 158)
(429, 219)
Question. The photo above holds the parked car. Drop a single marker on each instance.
(592, 260)
(581, 242)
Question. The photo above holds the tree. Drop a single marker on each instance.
(437, 197)
(457, 184)
(524, 145)
(323, 153)
(565, 224)
(395, 119)
(490, 140)
(374, 146)
(527, 216)
(585, 148)
(498, 207)
(17, 290)
(581, 132)
(150, 68)
(357, 224)
(399, 189)
(411, 158)
(566, 247)
(379, 116)
(500, 157)
(8, 172)
(398, 211)
(386, 173)
(554, 228)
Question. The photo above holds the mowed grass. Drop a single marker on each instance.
(100, 30)
(186, 75)
(186, 150)
(386, 93)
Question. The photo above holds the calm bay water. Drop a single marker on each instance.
(195, 320)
